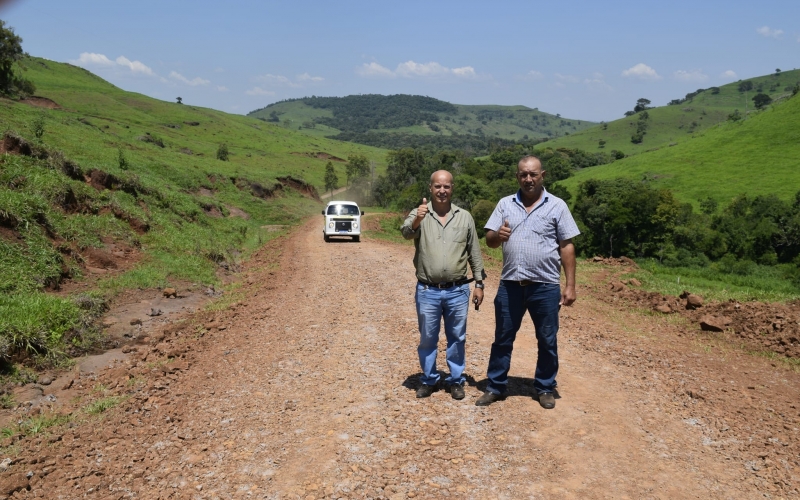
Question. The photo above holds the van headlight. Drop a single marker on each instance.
(330, 225)
(355, 225)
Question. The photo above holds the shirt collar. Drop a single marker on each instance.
(518, 198)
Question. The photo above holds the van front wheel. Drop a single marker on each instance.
(356, 238)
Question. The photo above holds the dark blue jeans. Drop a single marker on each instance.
(541, 301)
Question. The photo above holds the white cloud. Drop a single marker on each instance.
(642, 72)
(259, 91)
(567, 78)
(135, 66)
(276, 80)
(769, 32)
(194, 82)
(374, 70)
(729, 75)
(465, 72)
(597, 82)
(305, 77)
(222, 88)
(533, 75)
(412, 69)
(90, 59)
(694, 75)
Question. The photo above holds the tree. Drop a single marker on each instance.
(11, 53)
(735, 116)
(745, 86)
(179, 100)
(357, 167)
(641, 105)
(761, 100)
(331, 179)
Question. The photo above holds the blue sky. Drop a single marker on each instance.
(583, 59)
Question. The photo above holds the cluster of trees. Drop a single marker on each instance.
(361, 113)
(11, 53)
(480, 183)
(641, 128)
(691, 95)
(623, 217)
(358, 169)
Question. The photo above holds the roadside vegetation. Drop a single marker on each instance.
(127, 192)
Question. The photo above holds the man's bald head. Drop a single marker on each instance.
(442, 176)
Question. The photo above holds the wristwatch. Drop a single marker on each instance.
(479, 284)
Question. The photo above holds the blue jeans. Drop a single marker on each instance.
(433, 304)
(541, 301)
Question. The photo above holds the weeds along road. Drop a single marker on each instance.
(305, 389)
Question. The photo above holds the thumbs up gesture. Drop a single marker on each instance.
(505, 231)
(422, 210)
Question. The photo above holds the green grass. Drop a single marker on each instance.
(389, 228)
(103, 404)
(757, 156)
(680, 123)
(761, 283)
(185, 214)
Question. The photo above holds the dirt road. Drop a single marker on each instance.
(305, 389)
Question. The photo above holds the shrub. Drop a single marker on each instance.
(222, 152)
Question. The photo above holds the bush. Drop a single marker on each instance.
(37, 126)
(222, 152)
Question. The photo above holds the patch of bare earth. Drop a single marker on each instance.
(40, 102)
(305, 389)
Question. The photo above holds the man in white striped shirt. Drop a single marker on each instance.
(535, 230)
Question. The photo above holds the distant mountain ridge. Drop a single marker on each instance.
(410, 120)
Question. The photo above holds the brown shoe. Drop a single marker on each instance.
(489, 398)
(547, 400)
(425, 391)
(457, 391)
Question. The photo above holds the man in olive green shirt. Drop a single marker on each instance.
(445, 241)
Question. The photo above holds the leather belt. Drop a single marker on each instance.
(448, 284)
(521, 282)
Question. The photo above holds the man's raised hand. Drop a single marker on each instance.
(505, 231)
(422, 210)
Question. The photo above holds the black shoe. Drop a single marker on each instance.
(457, 391)
(489, 398)
(425, 391)
(547, 400)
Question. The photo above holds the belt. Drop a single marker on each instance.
(521, 282)
(448, 284)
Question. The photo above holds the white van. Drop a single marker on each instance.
(342, 218)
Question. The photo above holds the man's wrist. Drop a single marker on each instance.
(479, 284)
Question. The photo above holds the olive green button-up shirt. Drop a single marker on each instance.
(443, 250)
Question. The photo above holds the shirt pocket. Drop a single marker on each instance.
(542, 226)
(459, 234)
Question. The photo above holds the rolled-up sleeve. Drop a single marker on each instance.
(406, 230)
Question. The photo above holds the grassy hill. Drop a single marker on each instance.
(680, 122)
(129, 191)
(365, 118)
(759, 155)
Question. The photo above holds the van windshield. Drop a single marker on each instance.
(343, 210)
